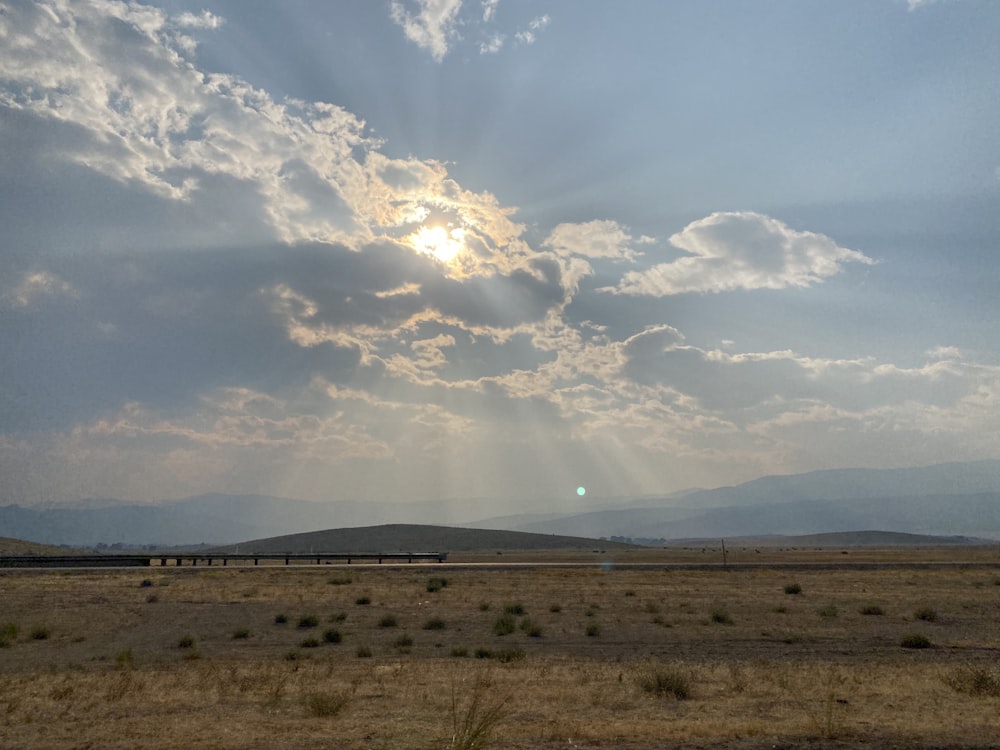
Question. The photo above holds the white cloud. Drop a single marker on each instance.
(741, 250)
(492, 45)
(203, 20)
(529, 35)
(594, 239)
(36, 285)
(489, 9)
(431, 27)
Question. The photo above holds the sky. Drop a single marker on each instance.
(434, 249)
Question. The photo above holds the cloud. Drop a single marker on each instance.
(492, 45)
(595, 239)
(529, 35)
(489, 9)
(431, 27)
(741, 250)
(203, 20)
(36, 285)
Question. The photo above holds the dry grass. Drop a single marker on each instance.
(788, 678)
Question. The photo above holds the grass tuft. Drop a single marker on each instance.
(667, 681)
(504, 625)
(974, 680)
(926, 614)
(915, 640)
(474, 722)
(435, 623)
(332, 636)
(185, 641)
(363, 601)
(721, 617)
(241, 634)
(793, 589)
(308, 621)
(436, 584)
(325, 705)
(388, 621)
(872, 609)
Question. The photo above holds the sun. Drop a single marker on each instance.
(439, 242)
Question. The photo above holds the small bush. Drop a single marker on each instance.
(926, 614)
(436, 584)
(780, 610)
(363, 652)
(435, 623)
(670, 682)
(125, 659)
(332, 636)
(152, 599)
(241, 634)
(514, 609)
(309, 643)
(504, 625)
(324, 705)
(338, 581)
(721, 617)
(484, 606)
(40, 633)
(975, 681)
(308, 621)
(793, 589)
(872, 609)
(185, 641)
(280, 619)
(531, 628)
(630, 593)
(388, 621)
(915, 640)
(404, 643)
(362, 601)
(593, 630)
(651, 608)
(8, 634)
(484, 653)
(146, 583)
(339, 617)
(459, 652)
(508, 655)
(828, 612)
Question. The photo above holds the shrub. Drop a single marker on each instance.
(125, 659)
(309, 643)
(871, 609)
(146, 583)
(484, 606)
(436, 584)
(504, 625)
(555, 608)
(152, 599)
(828, 612)
(508, 655)
(474, 723)
(459, 652)
(484, 653)
(404, 643)
(915, 640)
(324, 705)
(926, 614)
(280, 619)
(593, 630)
(332, 636)
(8, 634)
(362, 601)
(435, 623)
(532, 628)
(670, 682)
(630, 593)
(339, 617)
(974, 681)
(308, 621)
(793, 589)
(651, 608)
(185, 641)
(388, 621)
(338, 581)
(514, 609)
(241, 634)
(363, 652)
(721, 617)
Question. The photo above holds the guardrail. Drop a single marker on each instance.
(208, 558)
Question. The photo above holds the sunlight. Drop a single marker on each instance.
(439, 242)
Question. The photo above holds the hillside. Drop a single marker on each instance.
(416, 538)
(10, 546)
(880, 539)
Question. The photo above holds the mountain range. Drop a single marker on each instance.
(944, 499)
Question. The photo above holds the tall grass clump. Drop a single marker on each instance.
(324, 705)
(667, 681)
(974, 680)
(793, 589)
(915, 640)
(8, 634)
(436, 584)
(475, 720)
(504, 625)
(926, 614)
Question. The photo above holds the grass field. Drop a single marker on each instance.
(442, 657)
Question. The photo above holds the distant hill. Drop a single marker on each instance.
(947, 499)
(416, 538)
(10, 546)
(841, 539)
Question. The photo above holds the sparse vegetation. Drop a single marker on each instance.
(332, 636)
(555, 608)
(872, 609)
(388, 621)
(435, 623)
(280, 619)
(403, 644)
(8, 634)
(504, 625)
(185, 641)
(308, 621)
(828, 611)
(721, 617)
(474, 721)
(340, 581)
(363, 601)
(241, 634)
(667, 681)
(363, 652)
(974, 680)
(325, 705)
(593, 630)
(915, 640)
(515, 608)
(793, 589)
(436, 584)
(926, 614)
(460, 652)
(40, 633)
(309, 643)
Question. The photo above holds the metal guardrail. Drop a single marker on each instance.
(208, 558)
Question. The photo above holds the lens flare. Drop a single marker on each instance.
(581, 491)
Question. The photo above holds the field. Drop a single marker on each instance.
(442, 656)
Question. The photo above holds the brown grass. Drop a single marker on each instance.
(789, 678)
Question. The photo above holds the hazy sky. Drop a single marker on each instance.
(435, 248)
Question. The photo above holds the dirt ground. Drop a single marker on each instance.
(601, 655)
